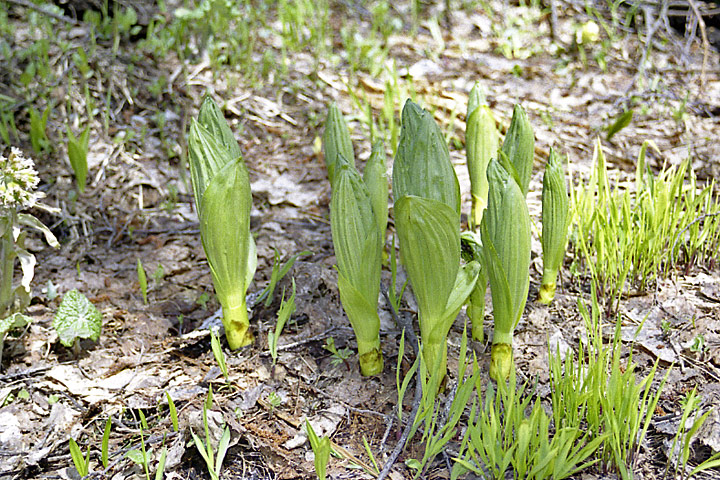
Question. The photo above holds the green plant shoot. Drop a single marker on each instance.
(358, 250)
(555, 223)
(223, 199)
(77, 154)
(519, 146)
(427, 218)
(336, 141)
(481, 139)
(287, 308)
(375, 178)
(321, 448)
(142, 280)
(505, 233)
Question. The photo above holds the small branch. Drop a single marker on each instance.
(38, 8)
(705, 43)
(410, 334)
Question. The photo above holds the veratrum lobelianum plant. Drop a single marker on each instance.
(427, 218)
(481, 144)
(18, 183)
(223, 199)
(336, 141)
(555, 225)
(358, 219)
(505, 233)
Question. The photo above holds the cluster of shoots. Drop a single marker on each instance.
(223, 200)
(358, 218)
(427, 219)
(499, 235)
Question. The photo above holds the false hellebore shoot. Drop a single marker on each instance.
(336, 141)
(223, 199)
(555, 223)
(505, 234)
(427, 218)
(358, 217)
(481, 145)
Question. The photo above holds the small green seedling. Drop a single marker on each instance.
(277, 274)
(173, 413)
(104, 452)
(82, 463)
(339, 356)
(275, 400)
(622, 121)
(142, 280)
(213, 461)
(219, 355)
(77, 154)
(321, 448)
(38, 126)
(77, 318)
(203, 300)
(287, 308)
(16, 320)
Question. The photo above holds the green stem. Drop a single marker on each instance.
(7, 265)
(435, 357)
(477, 209)
(370, 357)
(501, 361)
(548, 287)
(237, 325)
(476, 308)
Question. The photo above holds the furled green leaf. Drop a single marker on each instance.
(207, 158)
(422, 164)
(481, 145)
(555, 223)
(77, 154)
(375, 178)
(225, 231)
(77, 317)
(519, 146)
(508, 230)
(429, 233)
(505, 233)
(358, 251)
(336, 141)
(355, 233)
(212, 118)
(622, 121)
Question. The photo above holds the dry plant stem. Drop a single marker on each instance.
(410, 334)
(651, 29)
(705, 43)
(38, 8)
